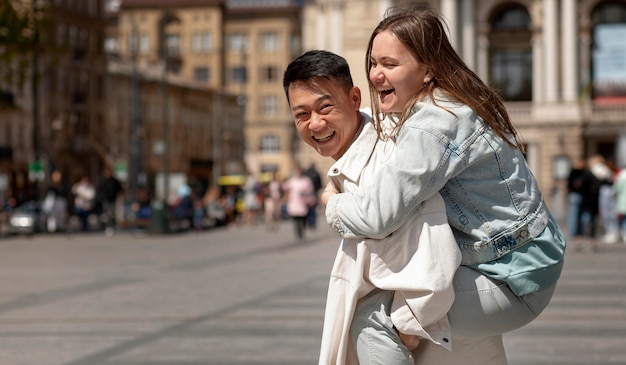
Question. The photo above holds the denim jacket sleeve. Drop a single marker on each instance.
(425, 159)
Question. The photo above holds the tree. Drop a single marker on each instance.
(17, 38)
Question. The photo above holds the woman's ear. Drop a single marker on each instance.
(428, 76)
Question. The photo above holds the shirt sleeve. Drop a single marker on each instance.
(422, 165)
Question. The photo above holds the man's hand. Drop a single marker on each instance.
(329, 191)
(410, 341)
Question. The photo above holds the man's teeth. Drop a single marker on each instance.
(323, 138)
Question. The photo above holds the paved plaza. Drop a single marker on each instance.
(243, 296)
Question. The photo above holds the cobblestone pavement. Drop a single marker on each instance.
(243, 296)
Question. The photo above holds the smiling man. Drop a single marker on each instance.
(407, 275)
(324, 102)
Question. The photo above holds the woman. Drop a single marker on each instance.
(299, 189)
(454, 136)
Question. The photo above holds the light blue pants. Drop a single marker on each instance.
(482, 307)
(372, 332)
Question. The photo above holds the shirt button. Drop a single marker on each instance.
(335, 170)
(445, 340)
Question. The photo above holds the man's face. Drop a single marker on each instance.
(326, 116)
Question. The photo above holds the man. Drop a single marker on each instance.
(312, 173)
(405, 272)
(108, 190)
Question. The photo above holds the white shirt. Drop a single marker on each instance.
(417, 261)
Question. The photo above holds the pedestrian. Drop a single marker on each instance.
(273, 202)
(299, 190)
(575, 182)
(251, 205)
(84, 198)
(453, 136)
(108, 190)
(316, 179)
(619, 187)
(55, 203)
(414, 267)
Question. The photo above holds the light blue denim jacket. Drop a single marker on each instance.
(492, 199)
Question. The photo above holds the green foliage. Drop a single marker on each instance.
(17, 38)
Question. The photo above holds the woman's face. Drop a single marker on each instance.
(395, 73)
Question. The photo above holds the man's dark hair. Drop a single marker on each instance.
(315, 65)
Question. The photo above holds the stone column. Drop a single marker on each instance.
(468, 33)
(569, 69)
(551, 51)
(449, 11)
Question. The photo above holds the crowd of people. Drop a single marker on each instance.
(105, 205)
(596, 202)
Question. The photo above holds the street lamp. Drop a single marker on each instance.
(160, 221)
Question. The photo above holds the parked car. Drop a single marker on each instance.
(27, 218)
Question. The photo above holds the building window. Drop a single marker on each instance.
(270, 143)
(172, 44)
(239, 74)
(110, 44)
(269, 42)
(510, 53)
(144, 43)
(238, 42)
(609, 54)
(201, 42)
(511, 74)
(201, 74)
(133, 43)
(269, 73)
(268, 106)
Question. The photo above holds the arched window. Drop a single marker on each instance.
(510, 53)
(609, 53)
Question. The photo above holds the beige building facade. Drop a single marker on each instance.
(241, 47)
(186, 130)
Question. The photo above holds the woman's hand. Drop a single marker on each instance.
(329, 191)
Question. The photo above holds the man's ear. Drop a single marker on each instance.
(355, 97)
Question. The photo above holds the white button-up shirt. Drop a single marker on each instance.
(417, 261)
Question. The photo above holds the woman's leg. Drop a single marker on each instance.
(373, 334)
(486, 307)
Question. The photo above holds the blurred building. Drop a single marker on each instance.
(559, 64)
(185, 129)
(52, 119)
(76, 116)
(239, 46)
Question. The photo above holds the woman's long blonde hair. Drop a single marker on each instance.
(422, 33)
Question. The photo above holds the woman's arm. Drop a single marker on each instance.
(424, 160)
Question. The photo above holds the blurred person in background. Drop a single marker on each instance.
(272, 202)
(84, 198)
(107, 193)
(299, 190)
(55, 203)
(316, 179)
(619, 189)
(575, 182)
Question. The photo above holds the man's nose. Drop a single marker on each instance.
(318, 122)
